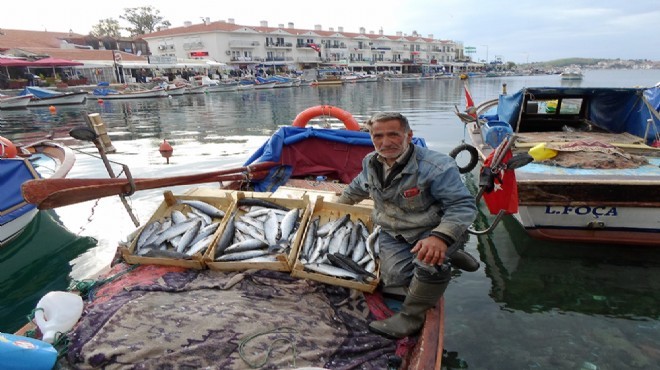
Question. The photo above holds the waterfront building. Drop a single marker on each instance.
(286, 47)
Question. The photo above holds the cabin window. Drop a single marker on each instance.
(549, 106)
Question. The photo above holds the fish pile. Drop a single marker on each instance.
(180, 235)
(263, 230)
(341, 248)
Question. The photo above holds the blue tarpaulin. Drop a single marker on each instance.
(616, 110)
(39, 92)
(336, 154)
(13, 173)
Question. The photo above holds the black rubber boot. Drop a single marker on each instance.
(421, 296)
(464, 261)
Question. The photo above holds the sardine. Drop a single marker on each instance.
(260, 202)
(189, 236)
(331, 270)
(241, 255)
(207, 208)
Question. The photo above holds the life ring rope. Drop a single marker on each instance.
(349, 121)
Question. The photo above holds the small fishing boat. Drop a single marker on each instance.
(571, 74)
(112, 94)
(46, 97)
(14, 102)
(216, 316)
(596, 170)
(43, 159)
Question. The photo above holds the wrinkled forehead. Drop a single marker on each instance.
(389, 116)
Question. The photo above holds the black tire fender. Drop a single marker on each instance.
(474, 157)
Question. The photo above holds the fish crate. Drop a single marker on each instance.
(283, 261)
(329, 212)
(170, 204)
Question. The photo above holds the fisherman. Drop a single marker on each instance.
(424, 210)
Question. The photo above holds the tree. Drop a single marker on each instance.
(106, 27)
(144, 19)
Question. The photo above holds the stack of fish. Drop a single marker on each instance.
(263, 230)
(180, 235)
(341, 248)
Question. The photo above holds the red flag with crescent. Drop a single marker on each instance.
(504, 192)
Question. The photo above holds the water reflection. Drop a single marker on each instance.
(37, 262)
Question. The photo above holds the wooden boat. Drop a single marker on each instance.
(46, 97)
(14, 102)
(327, 324)
(222, 87)
(327, 80)
(596, 173)
(111, 94)
(43, 159)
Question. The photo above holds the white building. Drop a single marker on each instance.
(287, 47)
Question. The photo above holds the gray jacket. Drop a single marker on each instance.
(426, 195)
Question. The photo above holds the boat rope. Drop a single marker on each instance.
(282, 330)
(87, 287)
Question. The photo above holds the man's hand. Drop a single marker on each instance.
(430, 250)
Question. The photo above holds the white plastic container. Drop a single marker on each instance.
(57, 312)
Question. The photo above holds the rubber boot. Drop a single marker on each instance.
(421, 296)
(464, 261)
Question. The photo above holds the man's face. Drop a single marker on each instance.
(389, 139)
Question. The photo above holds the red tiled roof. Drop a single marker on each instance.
(11, 39)
(228, 27)
(84, 54)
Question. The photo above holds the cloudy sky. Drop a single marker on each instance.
(514, 30)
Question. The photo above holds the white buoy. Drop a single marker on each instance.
(57, 312)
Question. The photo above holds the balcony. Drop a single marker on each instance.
(309, 59)
(243, 44)
(286, 45)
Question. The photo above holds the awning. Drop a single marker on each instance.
(54, 62)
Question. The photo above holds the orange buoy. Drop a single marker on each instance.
(166, 150)
(100, 101)
(52, 109)
(7, 148)
(326, 110)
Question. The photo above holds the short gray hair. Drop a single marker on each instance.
(388, 116)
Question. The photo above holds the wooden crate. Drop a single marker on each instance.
(169, 204)
(284, 261)
(328, 211)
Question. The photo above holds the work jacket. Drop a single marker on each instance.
(426, 194)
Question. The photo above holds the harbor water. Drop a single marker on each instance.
(531, 305)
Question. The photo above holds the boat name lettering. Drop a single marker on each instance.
(582, 210)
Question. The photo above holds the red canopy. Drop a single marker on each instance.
(11, 62)
(54, 62)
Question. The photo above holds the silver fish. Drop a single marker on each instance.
(242, 255)
(288, 223)
(271, 229)
(207, 208)
(331, 270)
(189, 236)
(245, 245)
(200, 246)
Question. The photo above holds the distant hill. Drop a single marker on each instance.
(574, 61)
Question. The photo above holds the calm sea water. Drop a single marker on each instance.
(532, 304)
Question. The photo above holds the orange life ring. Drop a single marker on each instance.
(326, 110)
(7, 148)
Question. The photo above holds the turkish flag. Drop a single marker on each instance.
(469, 103)
(504, 192)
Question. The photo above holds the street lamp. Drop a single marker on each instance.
(486, 53)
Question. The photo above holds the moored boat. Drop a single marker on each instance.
(597, 160)
(14, 102)
(325, 322)
(46, 97)
(43, 159)
(571, 74)
(110, 94)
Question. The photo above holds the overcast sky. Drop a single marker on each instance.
(515, 30)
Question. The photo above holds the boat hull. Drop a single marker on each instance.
(15, 102)
(135, 95)
(65, 99)
(597, 195)
(46, 160)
